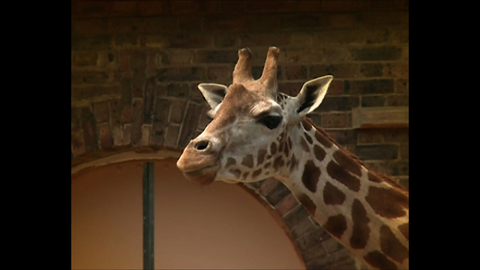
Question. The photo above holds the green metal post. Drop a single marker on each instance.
(148, 217)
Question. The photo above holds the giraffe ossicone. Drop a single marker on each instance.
(258, 132)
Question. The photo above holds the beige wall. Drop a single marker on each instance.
(219, 226)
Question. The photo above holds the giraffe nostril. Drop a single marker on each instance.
(201, 145)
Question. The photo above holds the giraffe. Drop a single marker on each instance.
(257, 132)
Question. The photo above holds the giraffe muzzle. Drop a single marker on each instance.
(199, 162)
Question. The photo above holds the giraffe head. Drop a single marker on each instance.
(250, 137)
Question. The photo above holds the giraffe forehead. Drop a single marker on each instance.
(240, 102)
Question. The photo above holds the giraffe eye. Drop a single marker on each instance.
(271, 121)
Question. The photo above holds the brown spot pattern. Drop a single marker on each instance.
(309, 139)
(332, 195)
(235, 172)
(404, 229)
(267, 165)
(311, 175)
(387, 202)
(319, 152)
(245, 175)
(360, 231)
(248, 161)
(378, 260)
(304, 145)
(256, 173)
(280, 148)
(230, 161)
(348, 163)
(306, 125)
(336, 225)
(341, 175)
(391, 246)
(307, 203)
(261, 156)
(278, 162)
(322, 139)
(273, 148)
(373, 177)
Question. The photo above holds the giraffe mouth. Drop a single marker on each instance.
(203, 176)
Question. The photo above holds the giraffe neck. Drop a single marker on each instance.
(365, 211)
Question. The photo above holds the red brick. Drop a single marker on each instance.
(303, 227)
(101, 112)
(137, 120)
(176, 41)
(224, 7)
(149, 96)
(145, 135)
(190, 23)
(294, 217)
(138, 84)
(95, 77)
(296, 72)
(324, 261)
(342, 21)
(313, 252)
(151, 62)
(127, 134)
(221, 23)
(89, 130)
(277, 194)
(214, 56)
(117, 135)
(91, 9)
(89, 27)
(397, 100)
(125, 8)
(190, 124)
(126, 40)
(382, 19)
(160, 121)
(335, 88)
(290, 88)
(105, 136)
(171, 136)
(185, 7)
(76, 119)
(151, 8)
(271, 6)
(335, 120)
(268, 186)
(220, 73)
(176, 111)
(181, 74)
(338, 71)
(331, 245)
(345, 5)
(396, 70)
(309, 5)
(264, 39)
(124, 59)
(401, 86)
(78, 144)
(91, 43)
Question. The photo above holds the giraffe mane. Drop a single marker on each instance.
(380, 175)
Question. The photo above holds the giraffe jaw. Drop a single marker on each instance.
(203, 176)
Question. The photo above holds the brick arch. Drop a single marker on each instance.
(312, 244)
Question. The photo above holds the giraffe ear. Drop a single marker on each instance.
(213, 93)
(312, 94)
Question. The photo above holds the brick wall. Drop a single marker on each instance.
(136, 65)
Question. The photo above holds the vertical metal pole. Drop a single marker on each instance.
(148, 220)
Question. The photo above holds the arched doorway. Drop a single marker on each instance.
(219, 226)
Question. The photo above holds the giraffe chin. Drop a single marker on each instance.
(204, 176)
